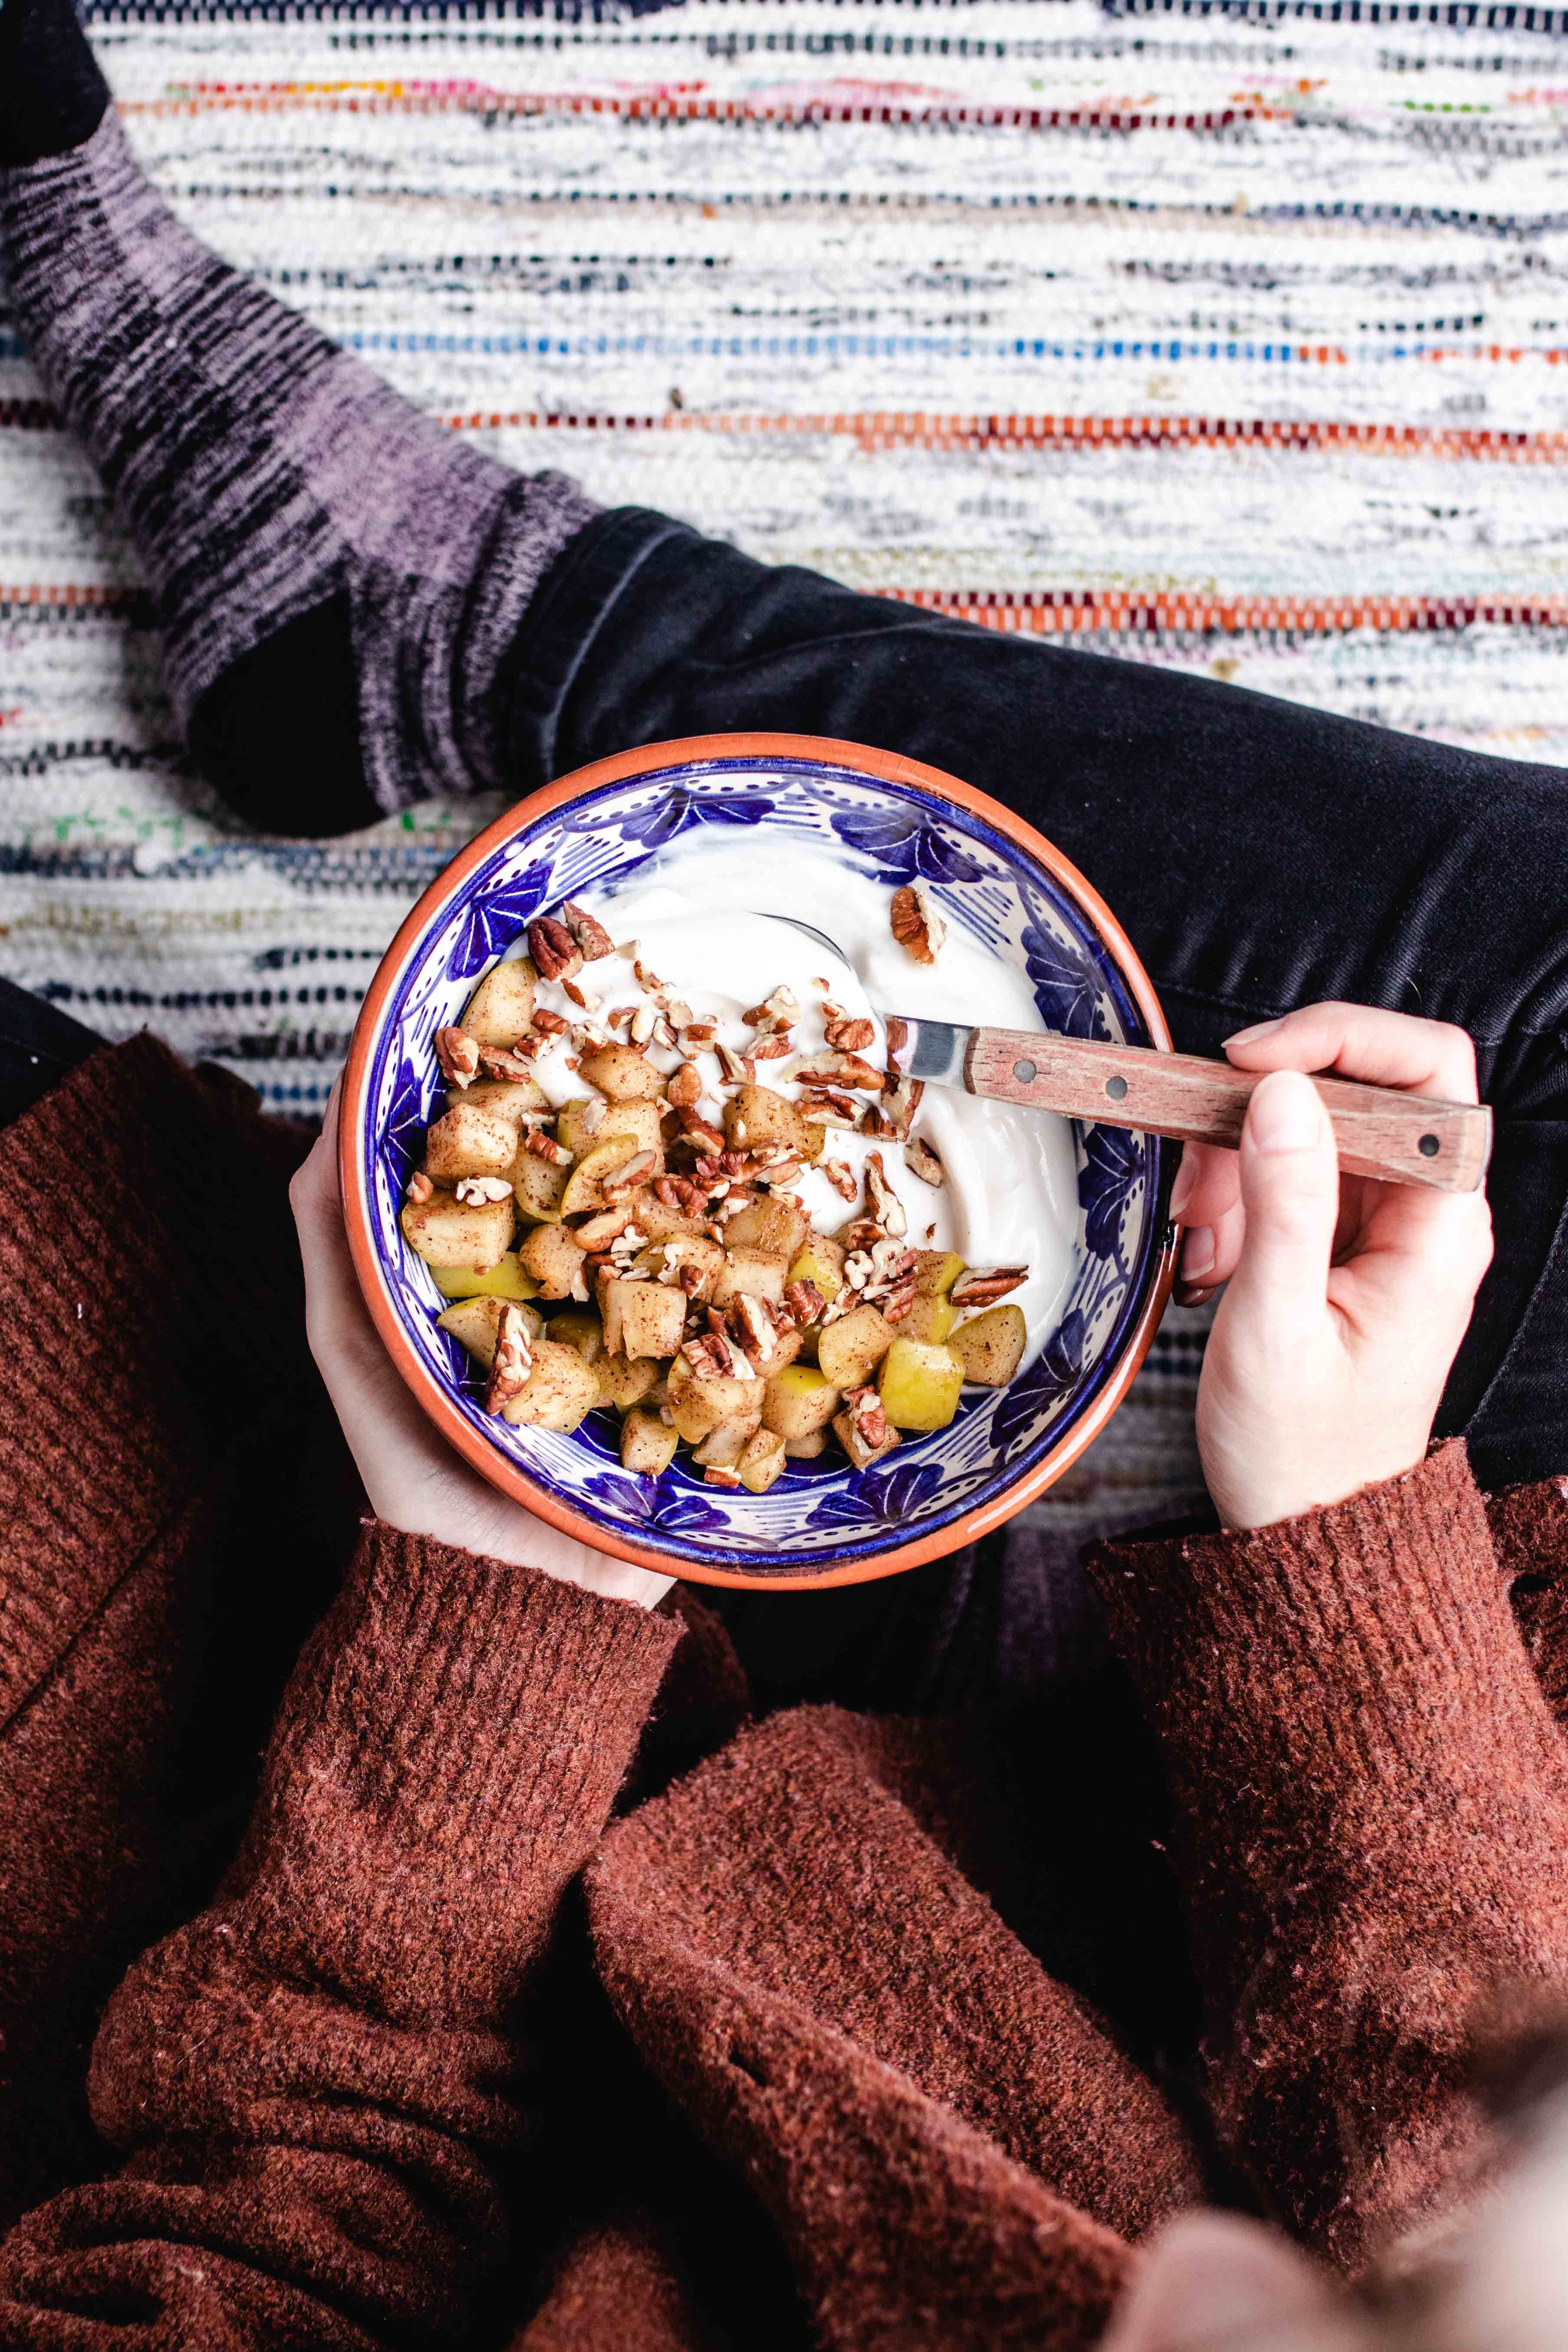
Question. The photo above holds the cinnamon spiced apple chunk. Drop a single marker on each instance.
(699, 1199)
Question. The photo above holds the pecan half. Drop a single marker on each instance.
(513, 1357)
(870, 1420)
(458, 1055)
(982, 1286)
(917, 926)
(555, 952)
(804, 1302)
(686, 1086)
(589, 934)
(922, 1162)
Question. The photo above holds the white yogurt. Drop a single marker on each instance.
(1011, 1193)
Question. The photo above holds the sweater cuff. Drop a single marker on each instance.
(445, 1762)
(1325, 1649)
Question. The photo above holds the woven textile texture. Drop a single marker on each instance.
(1228, 337)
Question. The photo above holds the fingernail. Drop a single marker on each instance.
(1181, 1189)
(1259, 1029)
(1197, 1252)
(1285, 1114)
(1189, 1295)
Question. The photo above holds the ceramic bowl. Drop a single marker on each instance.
(823, 1523)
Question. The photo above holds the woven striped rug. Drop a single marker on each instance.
(1226, 336)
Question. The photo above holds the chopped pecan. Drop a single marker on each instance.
(686, 1086)
(545, 1146)
(700, 1032)
(513, 1357)
(630, 1177)
(917, 926)
(850, 1036)
(922, 1162)
(842, 1177)
(500, 1062)
(839, 1071)
(478, 1191)
(804, 1302)
(420, 1189)
(458, 1055)
(885, 1203)
(829, 1107)
(697, 1130)
(899, 1302)
(898, 1108)
(863, 1234)
(549, 1025)
(780, 1010)
(870, 1420)
(643, 1020)
(731, 1067)
(555, 952)
(619, 1014)
(982, 1286)
(582, 996)
(606, 1226)
(711, 1356)
(772, 1048)
(590, 935)
(754, 1328)
(648, 978)
(679, 1012)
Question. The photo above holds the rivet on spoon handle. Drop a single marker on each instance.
(1378, 1131)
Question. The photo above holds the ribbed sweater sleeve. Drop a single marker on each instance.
(1372, 1803)
(313, 2084)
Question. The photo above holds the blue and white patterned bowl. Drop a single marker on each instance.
(823, 1522)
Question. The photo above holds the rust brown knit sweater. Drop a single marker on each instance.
(454, 2055)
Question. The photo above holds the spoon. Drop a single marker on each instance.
(1401, 1138)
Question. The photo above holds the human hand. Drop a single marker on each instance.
(414, 1480)
(1347, 1298)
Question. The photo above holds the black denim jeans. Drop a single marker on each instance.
(1260, 854)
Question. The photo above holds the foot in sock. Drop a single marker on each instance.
(52, 95)
(337, 577)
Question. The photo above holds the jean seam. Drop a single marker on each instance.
(1269, 1010)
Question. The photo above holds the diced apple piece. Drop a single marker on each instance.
(798, 1401)
(700, 1406)
(502, 1007)
(626, 1381)
(774, 1223)
(642, 1319)
(723, 1447)
(623, 1074)
(583, 1194)
(581, 1329)
(558, 1392)
(850, 1349)
(806, 1449)
(468, 1141)
(472, 1323)
(937, 1270)
(505, 1279)
(756, 1116)
(447, 1231)
(658, 1220)
(816, 1140)
(920, 1384)
(554, 1256)
(507, 1098)
(760, 1273)
(819, 1260)
(697, 1253)
(539, 1188)
(762, 1460)
(580, 1125)
(931, 1318)
(990, 1346)
(647, 1445)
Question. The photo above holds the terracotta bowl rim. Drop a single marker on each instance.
(499, 1469)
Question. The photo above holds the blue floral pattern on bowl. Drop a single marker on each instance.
(820, 1514)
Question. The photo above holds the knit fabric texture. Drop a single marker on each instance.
(547, 1995)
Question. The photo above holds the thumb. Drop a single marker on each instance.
(1291, 1190)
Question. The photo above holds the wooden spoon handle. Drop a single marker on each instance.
(1403, 1138)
